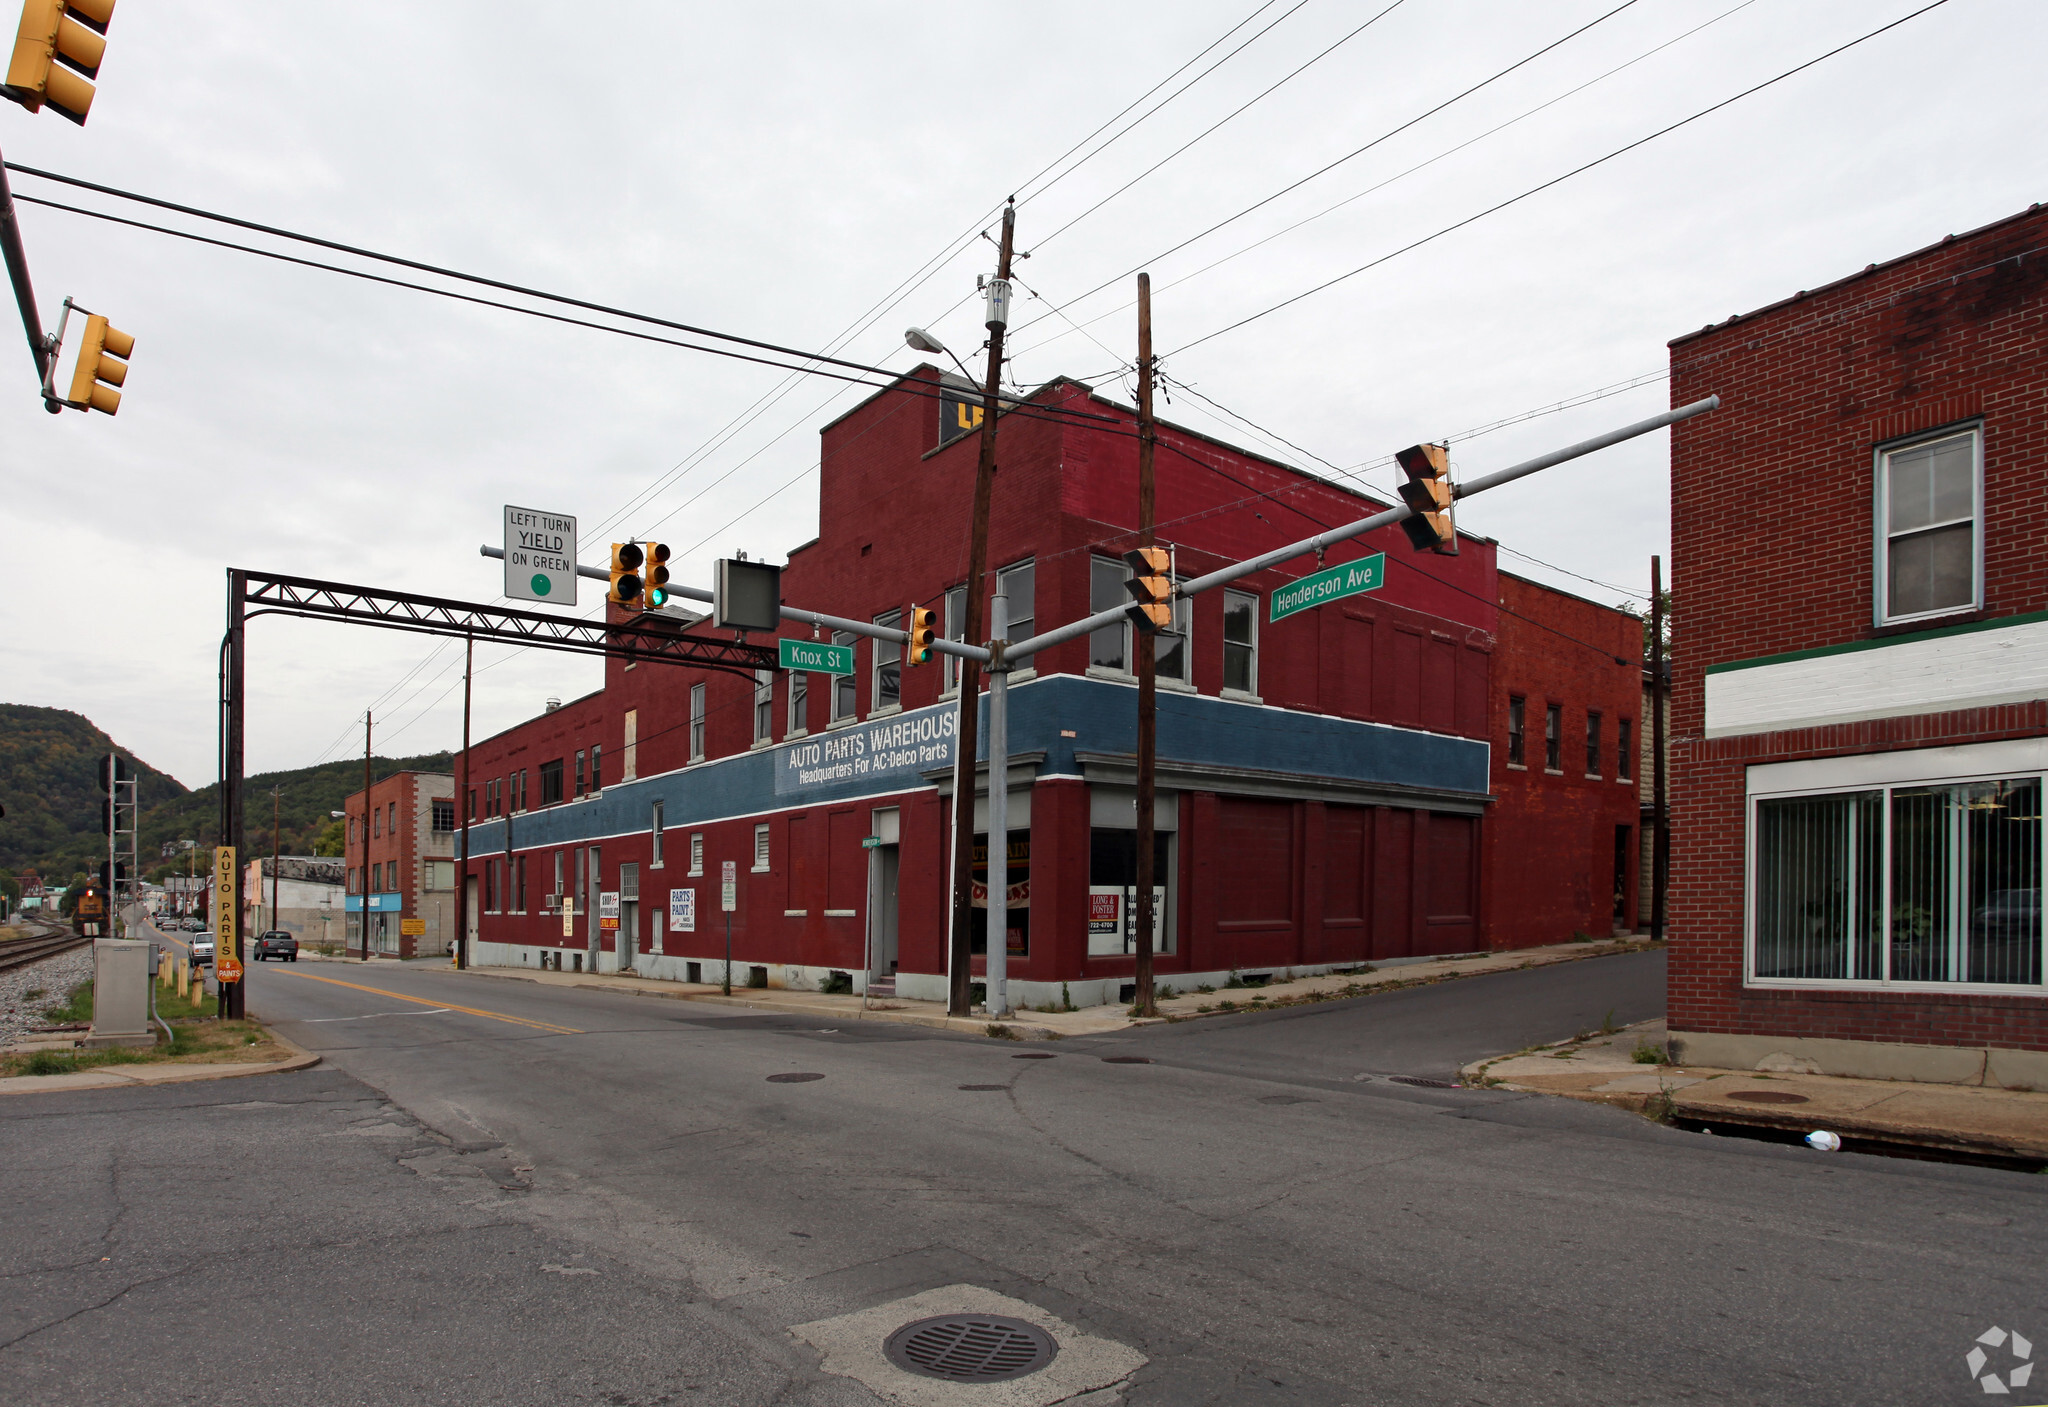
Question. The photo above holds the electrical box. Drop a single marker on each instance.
(746, 596)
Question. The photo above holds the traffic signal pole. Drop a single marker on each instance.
(233, 1004)
(24, 293)
(364, 925)
(1145, 647)
(462, 800)
(997, 972)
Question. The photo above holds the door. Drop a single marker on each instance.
(1621, 857)
(594, 879)
(629, 934)
(470, 885)
(887, 861)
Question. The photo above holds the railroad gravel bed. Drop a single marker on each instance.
(55, 976)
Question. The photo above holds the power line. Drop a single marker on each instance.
(1555, 180)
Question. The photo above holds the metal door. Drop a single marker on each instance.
(629, 934)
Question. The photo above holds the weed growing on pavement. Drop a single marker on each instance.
(997, 1031)
(1067, 999)
(34, 994)
(1235, 981)
(1607, 1026)
(52, 1062)
(1205, 989)
(1647, 1054)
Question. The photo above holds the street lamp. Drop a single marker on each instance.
(921, 341)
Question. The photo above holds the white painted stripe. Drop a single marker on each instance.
(1975, 669)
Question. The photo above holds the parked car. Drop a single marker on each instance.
(194, 925)
(276, 944)
(202, 950)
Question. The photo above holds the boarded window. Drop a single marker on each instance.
(1258, 836)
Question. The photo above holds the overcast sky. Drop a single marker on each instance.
(782, 171)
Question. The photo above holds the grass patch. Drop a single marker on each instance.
(1647, 1054)
(997, 1031)
(194, 1040)
(76, 1007)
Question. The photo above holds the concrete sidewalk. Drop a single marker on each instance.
(1893, 1115)
(165, 1072)
(1084, 1021)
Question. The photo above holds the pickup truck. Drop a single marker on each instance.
(276, 944)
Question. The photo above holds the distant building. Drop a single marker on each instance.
(406, 868)
(1860, 707)
(309, 898)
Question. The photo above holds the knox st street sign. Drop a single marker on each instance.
(816, 657)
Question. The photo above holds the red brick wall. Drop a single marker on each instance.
(1772, 529)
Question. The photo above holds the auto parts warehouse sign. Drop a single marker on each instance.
(891, 752)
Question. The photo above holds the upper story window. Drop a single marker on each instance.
(1018, 584)
(764, 705)
(888, 692)
(956, 629)
(761, 846)
(1518, 746)
(551, 782)
(697, 852)
(579, 771)
(597, 769)
(654, 830)
(1109, 647)
(1553, 736)
(444, 815)
(377, 824)
(1929, 506)
(843, 705)
(697, 717)
(1241, 641)
(1624, 759)
(799, 703)
(1592, 744)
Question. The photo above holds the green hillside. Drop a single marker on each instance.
(49, 783)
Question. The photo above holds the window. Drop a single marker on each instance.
(761, 846)
(491, 886)
(1241, 641)
(1109, 647)
(555, 894)
(842, 684)
(1518, 708)
(597, 769)
(376, 824)
(1175, 653)
(579, 771)
(352, 880)
(629, 754)
(1914, 883)
(696, 723)
(764, 705)
(654, 830)
(799, 703)
(956, 629)
(1018, 585)
(522, 797)
(377, 878)
(351, 830)
(629, 882)
(472, 810)
(888, 689)
(519, 885)
(1624, 756)
(551, 782)
(1928, 508)
(443, 820)
(392, 824)
(1592, 744)
(1553, 735)
(697, 852)
(437, 876)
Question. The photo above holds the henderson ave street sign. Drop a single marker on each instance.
(1334, 583)
(816, 656)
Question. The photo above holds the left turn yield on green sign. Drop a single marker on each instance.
(540, 556)
(816, 656)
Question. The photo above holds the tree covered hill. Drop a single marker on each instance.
(49, 783)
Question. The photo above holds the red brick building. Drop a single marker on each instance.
(1861, 664)
(408, 869)
(1326, 781)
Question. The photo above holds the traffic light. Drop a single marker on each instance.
(103, 354)
(919, 648)
(1152, 612)
(1428, 492)
(656, 574)
(627, 587)
(58, 47)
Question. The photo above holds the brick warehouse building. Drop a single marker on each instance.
(1861, 672)
(1327, 783)
(409, 870)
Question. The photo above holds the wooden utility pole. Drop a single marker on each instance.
(1660, 834)
(462, 800)
(1144, 647)
(960, 993)
(276, 800)
(364, 923)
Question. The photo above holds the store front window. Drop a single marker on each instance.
(1019, 895)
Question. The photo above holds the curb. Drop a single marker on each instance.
(113, 1076)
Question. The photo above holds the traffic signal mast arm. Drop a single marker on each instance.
(978, 653)
(1223, 576)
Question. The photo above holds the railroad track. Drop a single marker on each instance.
(19, 952)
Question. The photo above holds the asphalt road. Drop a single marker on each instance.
(415, 1221)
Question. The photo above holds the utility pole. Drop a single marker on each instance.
(1142, 644)
(961, 967)
(365, 872)
(462, 800)
(276, 795)
(1660, 835)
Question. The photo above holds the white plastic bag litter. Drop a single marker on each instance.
(1823, 1140)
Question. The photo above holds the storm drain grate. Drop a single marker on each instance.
(1034, 1055)
(984, 1087)
(970, 1348)
(1767, 1096)
(1127, 1060)
(794, 1077)
(1426, 1084)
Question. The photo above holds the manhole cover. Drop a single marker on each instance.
(970, 1348)
(1426, 1084)
(1767, 1096)
(1034, 1055)
(793, 1078)
(1127, 1060)
(984, 1086)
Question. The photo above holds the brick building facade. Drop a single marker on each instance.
(408, 870)
(1326, 782)
(1861, 662)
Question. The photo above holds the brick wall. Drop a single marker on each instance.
(1772, 551)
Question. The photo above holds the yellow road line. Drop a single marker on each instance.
(446, 1006)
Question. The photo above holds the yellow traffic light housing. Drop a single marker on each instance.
(1151, 583)
(1428, 492)
(56, 51)
(655, 574)
(919, 648)
(103, 353)
(627, 587)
